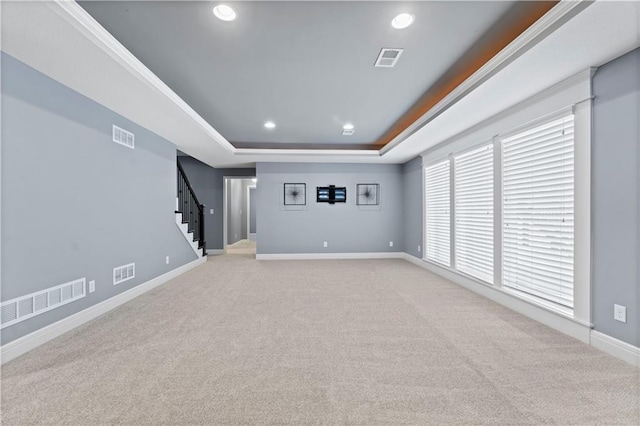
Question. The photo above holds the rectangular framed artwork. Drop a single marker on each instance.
(368, 194)
(295, 194)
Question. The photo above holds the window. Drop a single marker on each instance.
(438, 212)
(474, 213)
(538, 211)
(533, 218)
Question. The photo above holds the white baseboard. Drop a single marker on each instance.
(213, 252)
(32, 340)
(553, 319)
(615, 347)
(327, 256)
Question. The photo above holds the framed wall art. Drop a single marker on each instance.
(295, 194)
(368, 194)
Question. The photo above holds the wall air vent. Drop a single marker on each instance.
(348, 132)
(124, 273)
(24, 307)
(388, 58)
(123, 137)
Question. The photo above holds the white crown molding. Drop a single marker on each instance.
(525, 41)
(328, 152)
(41, 336)
(330, 256)
(82, 21)
(582, 79)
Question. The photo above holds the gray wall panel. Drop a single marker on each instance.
(74, 203)
(412, 225)
(616, 196)
(253, 209)
(346, 227)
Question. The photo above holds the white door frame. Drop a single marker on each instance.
(225, 179)
(249, 188)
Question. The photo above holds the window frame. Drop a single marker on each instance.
(425, 213)
(581, 313)
(519, 130)
(490, 143)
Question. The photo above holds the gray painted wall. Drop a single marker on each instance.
(237, 210)
(412, 224)
(74, 203)
(208, 183)
(244, 207)
(346, 227)
(616, 196)
(253, 211)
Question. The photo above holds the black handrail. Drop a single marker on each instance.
(191, 209)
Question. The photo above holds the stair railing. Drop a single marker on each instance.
(191, 209)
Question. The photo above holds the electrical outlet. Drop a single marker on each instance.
(210, 211)
(620, 313)
(92, 286)
(166, 260)
(325, 244)
(419, 248)
(236, 236)
(390, 243)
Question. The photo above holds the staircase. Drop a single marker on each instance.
(190, 214)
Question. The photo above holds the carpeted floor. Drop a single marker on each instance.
(242, 247)
(239, 341)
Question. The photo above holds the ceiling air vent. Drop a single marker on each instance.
(123, 137)
(388, 58)
(348, 132)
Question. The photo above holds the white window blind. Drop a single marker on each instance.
(474, 213)
(538, 211)
(437, 188)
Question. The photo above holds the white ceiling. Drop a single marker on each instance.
(58, 40)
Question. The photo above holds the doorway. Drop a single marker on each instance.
(237, 217)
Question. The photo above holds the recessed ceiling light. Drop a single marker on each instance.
(270, 125)
(348, 126)
(224, 12)
(402, 21)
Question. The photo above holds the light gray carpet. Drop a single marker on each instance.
(242, 247)
(239, 341)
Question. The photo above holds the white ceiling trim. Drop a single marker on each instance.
(559, 98)
(83, 22)
(80, 19)
(525, 41)
(328, 152)
(47, 38)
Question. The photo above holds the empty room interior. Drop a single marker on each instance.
(320, 212)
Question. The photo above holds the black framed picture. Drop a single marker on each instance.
(295, 194)
(368, 194)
